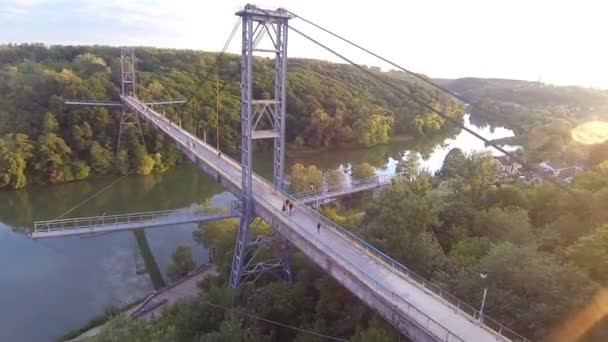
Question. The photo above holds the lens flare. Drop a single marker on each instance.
(592, 132)
(575, 327)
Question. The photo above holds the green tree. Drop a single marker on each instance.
(303, 177)
(87, 64)
(80, 170)
(409, 165)
(531, 290)
(545, 202)
(374, 129)
(52, 155)
(82, 137)
(481, 171)
(233, 331)
(101, 158)
(49, 124)
(399, 222)
(505, 196)
(334, 178)
(590, 253)
(467, 252)
(454, 164)
(15, 151)
(373, 335)
(503, 225)
(182, 262)
(362, 171)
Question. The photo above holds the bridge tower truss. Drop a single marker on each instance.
(261, 119)
(128, 87)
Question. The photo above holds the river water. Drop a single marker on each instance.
(48, 287)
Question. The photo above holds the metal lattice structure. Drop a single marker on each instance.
(128, 87)
(113, 223)
(261, 119)
(127, 72)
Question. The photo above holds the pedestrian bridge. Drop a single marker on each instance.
(412, 305)
(114, 223)
(341, 190)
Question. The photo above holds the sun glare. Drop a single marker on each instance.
(592, 132)
(573, 329)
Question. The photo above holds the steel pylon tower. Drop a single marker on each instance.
(128, 87)
(261, 119)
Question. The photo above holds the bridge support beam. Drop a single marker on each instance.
(260, 119)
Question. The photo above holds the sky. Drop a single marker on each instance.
(561, 42)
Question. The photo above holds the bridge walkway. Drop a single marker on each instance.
(379, 276)
(114, 223)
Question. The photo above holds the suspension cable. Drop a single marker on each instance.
(248, 315)
(414, 74)
(102, 190)
(215, 69)
(423, 104)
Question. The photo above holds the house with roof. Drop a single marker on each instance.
(560, 169)
(508, 166)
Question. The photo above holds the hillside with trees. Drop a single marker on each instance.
(44, 141)
(542, 116)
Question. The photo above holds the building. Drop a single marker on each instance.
(508, 166)
(560, 169)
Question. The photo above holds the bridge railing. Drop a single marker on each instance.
(410, 275)
(111, 220)
(424, 320)
(377, 180)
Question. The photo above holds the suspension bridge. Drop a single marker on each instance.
(415, 307)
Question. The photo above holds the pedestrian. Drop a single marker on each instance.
(284, 208)
(287, 202)
(219, 154)
(319, 228)
(290, 208)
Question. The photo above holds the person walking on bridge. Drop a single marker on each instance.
(319, 228)
(290, 208)
(284, 208)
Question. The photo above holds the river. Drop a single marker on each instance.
(48, 287)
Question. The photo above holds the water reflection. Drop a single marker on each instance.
(61, 283)
(432, 150)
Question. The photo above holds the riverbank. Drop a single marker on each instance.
(295, 152)
(152, 305)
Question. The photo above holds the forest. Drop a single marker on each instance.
(44, 141)
(542, 116)
(545, 251)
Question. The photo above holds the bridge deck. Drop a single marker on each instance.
(395, 284)
(113, 223)
(342, 190)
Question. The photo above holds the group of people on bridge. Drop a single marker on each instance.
(288, 206)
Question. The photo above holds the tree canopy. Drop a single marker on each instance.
(327, 104)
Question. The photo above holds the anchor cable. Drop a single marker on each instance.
(425, 105)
